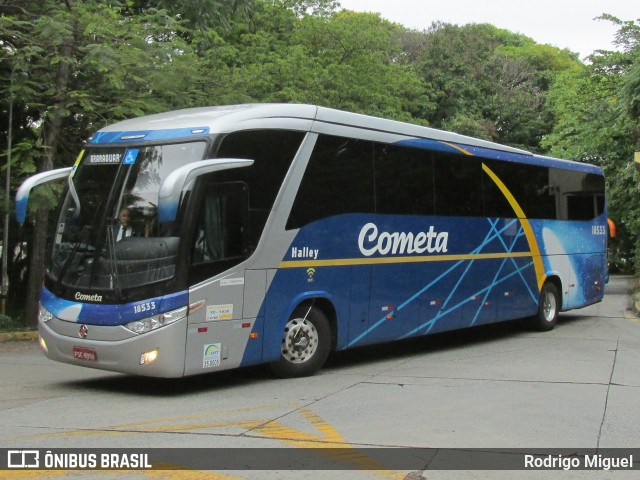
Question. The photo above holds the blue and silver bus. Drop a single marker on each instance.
(278, 233)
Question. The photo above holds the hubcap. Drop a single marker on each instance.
(549, 306)
(300, 340)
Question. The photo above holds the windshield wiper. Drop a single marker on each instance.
(113, 264)
(74, 214)
(76, 198)
(73, 250)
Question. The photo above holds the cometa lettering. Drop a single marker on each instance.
(371, 241)
(83, 297)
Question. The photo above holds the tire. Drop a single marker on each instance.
(306, 343)
(548, 309)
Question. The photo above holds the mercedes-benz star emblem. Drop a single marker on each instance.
(83, 331)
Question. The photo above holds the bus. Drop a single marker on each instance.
(277, 233)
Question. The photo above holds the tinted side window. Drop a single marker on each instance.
(495, 204)
(530, 185)
(403, 180)
(220, 241)
(600, 204)
(221, 223)
(458, 187)
(581, 207)
(582, 194)
(338, 180)
(273, 151)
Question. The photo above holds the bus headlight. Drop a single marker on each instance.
(44, 315)
(157, 321)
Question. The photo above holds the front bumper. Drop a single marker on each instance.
(117, 349)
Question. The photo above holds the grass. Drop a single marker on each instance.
(11, 324)
(634, 290)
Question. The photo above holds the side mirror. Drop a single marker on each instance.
(22, 196)
(172, 187)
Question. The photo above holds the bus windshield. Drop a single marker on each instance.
(107, 238)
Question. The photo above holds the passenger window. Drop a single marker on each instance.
(581, 207)
(404, 180)
(338, 180)
(272, 152)
(458, 188)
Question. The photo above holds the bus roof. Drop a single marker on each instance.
(224, 118)
(204, 120)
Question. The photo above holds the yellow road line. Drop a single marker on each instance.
(163, 472)
(330, 438)
(27, 474)
(342, 452)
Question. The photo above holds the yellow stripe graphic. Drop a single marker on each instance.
(466, 152)
(526, 226)
(341, 262)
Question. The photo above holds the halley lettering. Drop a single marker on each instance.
(370, 241)
(305, 252)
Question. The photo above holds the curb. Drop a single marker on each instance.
(18, 336)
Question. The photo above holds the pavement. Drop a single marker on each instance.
(495, 387)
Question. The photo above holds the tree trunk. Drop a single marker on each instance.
(53, 127)
(36, 267)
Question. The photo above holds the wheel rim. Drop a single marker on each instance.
(300, 340)
(549, 306)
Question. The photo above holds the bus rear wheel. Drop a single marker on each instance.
(306, 342)
(548, 308)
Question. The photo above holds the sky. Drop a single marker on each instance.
(562, 23)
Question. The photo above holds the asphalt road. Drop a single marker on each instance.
(500, 386)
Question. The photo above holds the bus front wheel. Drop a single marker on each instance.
(306, 342)
(548, 308)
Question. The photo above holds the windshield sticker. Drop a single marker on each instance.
(211, 355)
(103, 158)
(219, 312)
(130, 156)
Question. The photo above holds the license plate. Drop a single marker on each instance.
(88, 354)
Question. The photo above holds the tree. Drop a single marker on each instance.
(488, 82)
(74, 66)
(596, 119)
(71, 60)
(337, 59)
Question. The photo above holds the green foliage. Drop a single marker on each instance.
(9, 324)
(489, 82)
(144, 56)
(597, 119)
(343, 60)
(69, 68)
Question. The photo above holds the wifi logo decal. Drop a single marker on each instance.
(310, 274)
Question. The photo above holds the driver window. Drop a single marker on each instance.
(221, 229)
